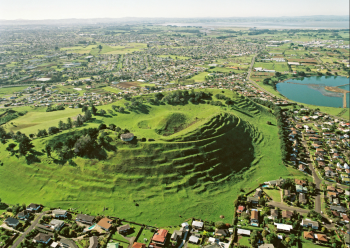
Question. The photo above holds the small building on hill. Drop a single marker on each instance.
(127, 136)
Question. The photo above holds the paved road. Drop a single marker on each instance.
(287, 207)
(252, 82)
(34, 223)
(317, 180)
(283, 206)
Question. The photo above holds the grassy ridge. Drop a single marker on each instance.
(196, 172)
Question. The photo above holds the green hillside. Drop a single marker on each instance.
(202, 156)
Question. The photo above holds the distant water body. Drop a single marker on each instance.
(269, 25)
(311, 90)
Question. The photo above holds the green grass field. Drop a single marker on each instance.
(93, 49)
(196, 172)
(200, 77)
(11, 90)
(274, 194)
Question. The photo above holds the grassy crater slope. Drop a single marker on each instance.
(195, 172)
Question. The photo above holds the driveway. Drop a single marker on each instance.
(9, 228)
(34, 223)
(184, 240)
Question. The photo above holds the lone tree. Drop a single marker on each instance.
(48, 150)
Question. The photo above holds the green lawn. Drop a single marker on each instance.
(244, 241)
(274, 194)
(174, 57)
(200, 77)
(173, 176)
(11, 90)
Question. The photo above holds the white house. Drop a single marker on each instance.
(197, 225)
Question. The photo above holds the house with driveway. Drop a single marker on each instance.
(105, 224)
(56, 225)
(309, 223)
(12, 222)
(85, 219)
(23, 215)
(58, 213)
(42, 238)
(33, 207)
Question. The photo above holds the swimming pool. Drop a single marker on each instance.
(92, 227)
(265, 186)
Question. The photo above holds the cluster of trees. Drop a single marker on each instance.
(228, 101)
(10, 115)
(52, 108)
(80, 143)
(182, 97)
(24, 144)
(283, 135)
(65, 126)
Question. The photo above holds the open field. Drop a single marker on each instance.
(200, 77)
(218, 152)
(93, 49)
(174, 57)
(11, 90)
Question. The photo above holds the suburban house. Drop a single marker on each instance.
(42, 238)
(68, 243)
(309, 235)
(338, 208)
(321, 237)
(193, 239)
(287, 192)
(253, 200)
(105, 224)
(176, 235)
(243, 232)
(309, 223)
(254, 219)
(58, 213)
(300, 182)
(123, 229)
(258, 192)
(300, 189)
(302, 198)
(56, 225)
(12, 222)
(302, 167)
(23, 215)
(222, 232)
(274, 213)
(240, 209)
(86, 219)
(93, 242)
(331, 194)
(159, 238)
(277, 182)
(33, 207)
(331, 188)
(197, 225)
(127, 136)
(286, 214)
(283, 227)
(138, 245)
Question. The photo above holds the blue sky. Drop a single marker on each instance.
(61, 9)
